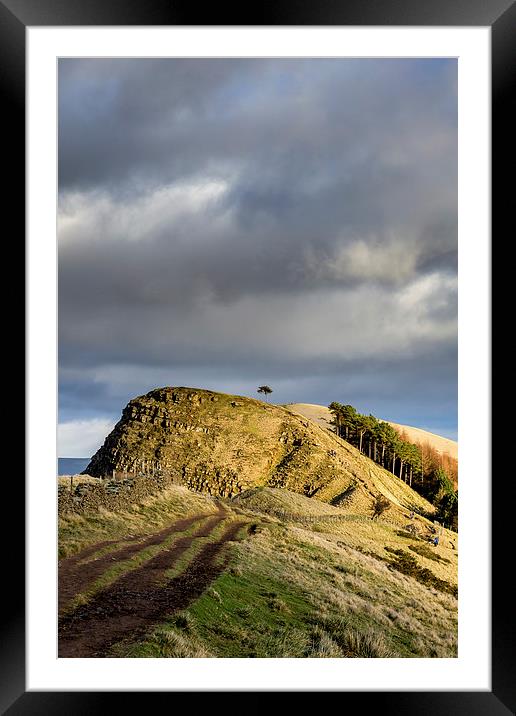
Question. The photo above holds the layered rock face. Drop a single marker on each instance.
(223, 444)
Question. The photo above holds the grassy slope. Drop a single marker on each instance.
(78, 531)
(319, 589)
(372, 479)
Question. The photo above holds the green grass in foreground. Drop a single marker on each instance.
(121, 567)
(289, 593)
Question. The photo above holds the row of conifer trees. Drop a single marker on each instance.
(419, 465)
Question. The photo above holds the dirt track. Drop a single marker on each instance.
(142, 597)
(75, 574)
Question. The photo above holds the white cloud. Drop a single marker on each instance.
(98, 215)
(390, 260)
(82, 438)
(432, 291)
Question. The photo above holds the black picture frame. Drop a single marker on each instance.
(500, 15)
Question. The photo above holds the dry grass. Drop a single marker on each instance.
(354, 529)
(274, 501)
(78, 531)
(64, 480)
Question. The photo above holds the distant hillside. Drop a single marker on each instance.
(322, 416)
(223, 445)
(442, 445)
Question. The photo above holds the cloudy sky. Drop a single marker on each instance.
(228, 223)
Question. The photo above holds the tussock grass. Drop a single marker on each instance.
(322, 645)
(165, 642)
(368, 645)
(287, 643)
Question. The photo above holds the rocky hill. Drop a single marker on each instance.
(223, 445)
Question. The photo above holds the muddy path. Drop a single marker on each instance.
(84, 554)
(140, 599)
(75, 575)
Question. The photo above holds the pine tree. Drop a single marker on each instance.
(265, 390)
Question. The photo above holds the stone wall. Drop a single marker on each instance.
(112, 495)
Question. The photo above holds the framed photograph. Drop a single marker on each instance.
(212, 228)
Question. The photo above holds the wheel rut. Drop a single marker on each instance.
(75, 575)
(143, 597)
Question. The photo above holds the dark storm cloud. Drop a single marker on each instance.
(256, 217)
(124, 121)
(131, 117)
(427, 399)
(313, 156)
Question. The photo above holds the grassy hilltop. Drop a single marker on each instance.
(265, 547)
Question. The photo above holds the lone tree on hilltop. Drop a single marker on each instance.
(265, 390)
